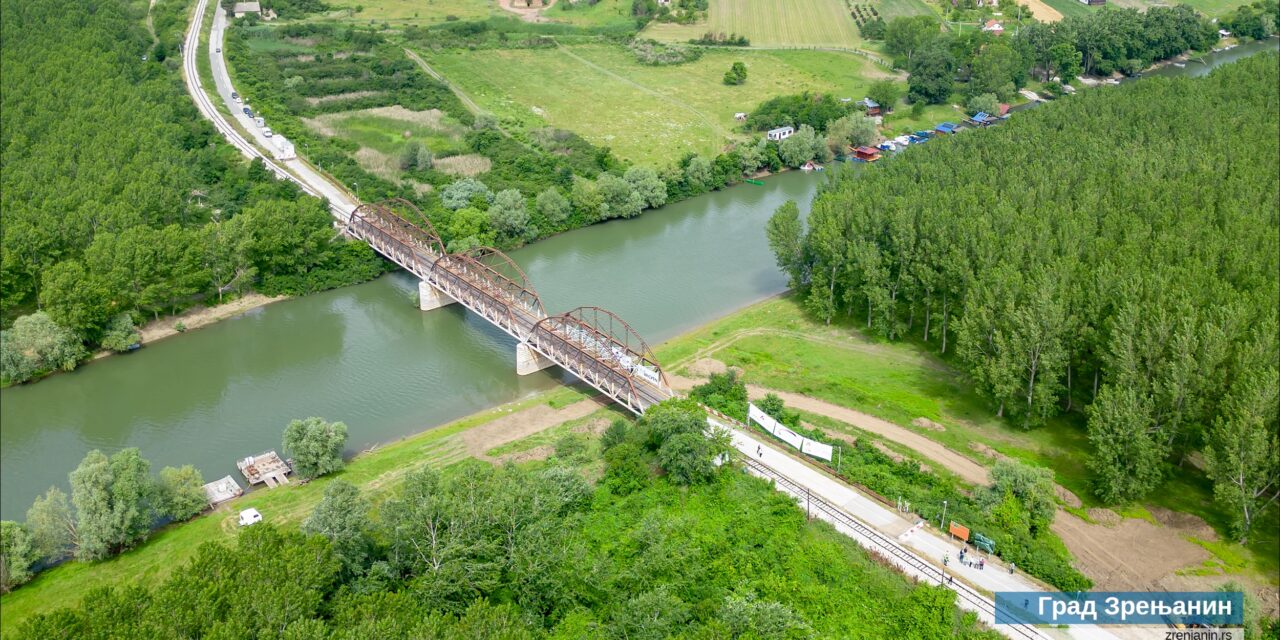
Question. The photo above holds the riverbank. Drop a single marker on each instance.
(197, 317)
(376, 471)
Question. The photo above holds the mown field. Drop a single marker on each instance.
(603, 14)
(645, 114)
(408, 12)
(824, 23)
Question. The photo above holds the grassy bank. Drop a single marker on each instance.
(375, 473)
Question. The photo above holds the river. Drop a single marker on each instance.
(367, 356)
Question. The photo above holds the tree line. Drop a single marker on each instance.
(663, 544)
(119, 199)
(116, 503)
(977, 62)
(1116, 252)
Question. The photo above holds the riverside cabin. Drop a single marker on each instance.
(780, 134)
(265, 467)
(866, 154)
(872, 107)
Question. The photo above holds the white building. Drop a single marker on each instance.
(243, 8)
(779, 134)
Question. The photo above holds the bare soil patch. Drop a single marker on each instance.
(925, 423)
(540, 452)
(201, 316)
(987, 451)
(465, 165)
(1131, 555)
(1043, 12)
(522, 424)
(528, 10)
(1067, 497)
(704, 367)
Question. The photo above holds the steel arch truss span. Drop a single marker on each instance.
(489, 283)
(591, 343)
(602, 349)
(407, 244)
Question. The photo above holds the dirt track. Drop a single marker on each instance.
(522, 424)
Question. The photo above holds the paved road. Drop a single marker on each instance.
(923, 544)
(253, 144)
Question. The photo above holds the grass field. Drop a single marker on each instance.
(890, 9)
(384, 129)
(406, 12)
(770, 23)
(778, 346)
(1070, 8)
(646, 114)
(603, 14)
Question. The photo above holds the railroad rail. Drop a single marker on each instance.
(895, 552)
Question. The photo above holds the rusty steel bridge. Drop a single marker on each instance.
(591, 343)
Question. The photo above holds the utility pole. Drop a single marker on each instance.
(942, 524)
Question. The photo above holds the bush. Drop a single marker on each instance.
(315, 445)
(658, 54)
(625, 471)
(36, 345)
(120, 334)
(181, 492)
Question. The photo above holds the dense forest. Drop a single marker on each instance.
(1116, 251)
(663, 544)
(121, 203)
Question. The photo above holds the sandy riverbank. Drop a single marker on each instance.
(197, 317)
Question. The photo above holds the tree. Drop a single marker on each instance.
(905, 36)
(586, 199)
(1066, 61)
(686, 457)
(995, 69)
(984, 103)
(801, 146)
(752, 156)
(737, 74)
(52, 526)
(854, 129)
(625, 471)
(315, 446)
(120, 333)
(508, 215)
(1031, 486)
(553, 206)
(645, 181)
(786, 239)
(181, 492)
(228, 250)
(1126, 461)
(468, 227)
(465, 192)
(409, 155)
(36, 344)
(619, 199)
(1243, 452)
(749, 617)
(932, 75)
(16, 555)
(873, 29)
(698, 173)
(423, 160)
(885, 93)
(114, 500)
(343, 518)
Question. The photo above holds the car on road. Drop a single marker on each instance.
(248, 112)
(235, 95)
(218, 50)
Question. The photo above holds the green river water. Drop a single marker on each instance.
(367, 356)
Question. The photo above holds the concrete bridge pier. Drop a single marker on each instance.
(430, 297)
(529, 361)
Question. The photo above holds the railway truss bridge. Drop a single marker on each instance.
(591, 343)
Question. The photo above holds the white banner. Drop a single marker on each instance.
(805, 445)
(817, 449)
(790, 437)
(763, 419)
